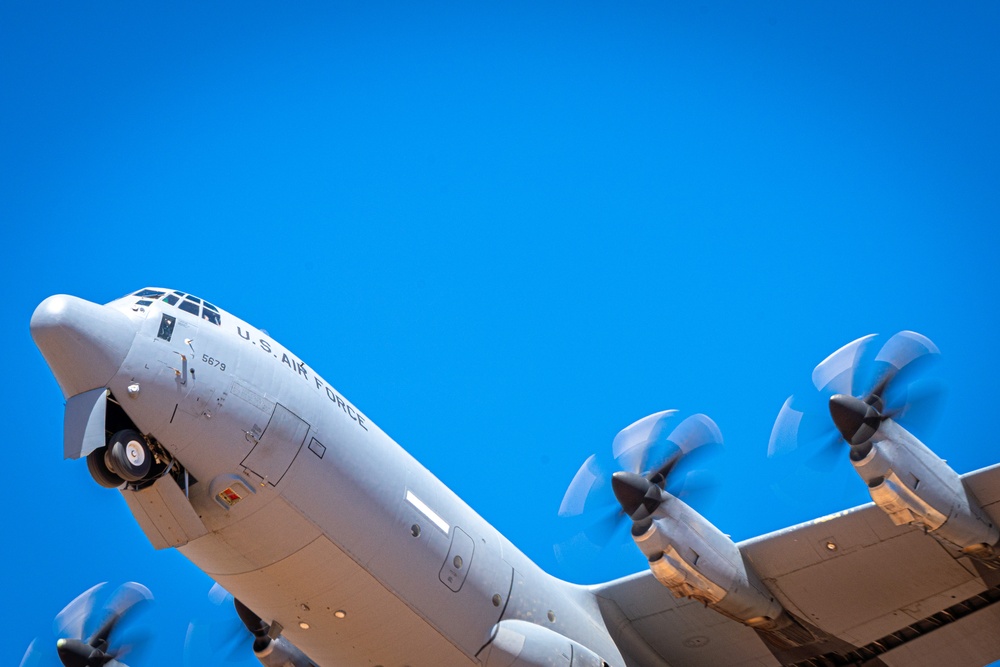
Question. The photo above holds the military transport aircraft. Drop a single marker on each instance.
(341, 549)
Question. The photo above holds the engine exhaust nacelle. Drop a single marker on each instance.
(694, 559)
(914, 486)
(281, 653)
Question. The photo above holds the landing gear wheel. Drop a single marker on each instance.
(99, 469)
(129, 456)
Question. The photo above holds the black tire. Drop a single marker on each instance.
(99, 470)
(129, 456)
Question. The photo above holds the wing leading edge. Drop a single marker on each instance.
(868, 589)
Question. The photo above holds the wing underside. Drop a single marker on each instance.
(872, 593)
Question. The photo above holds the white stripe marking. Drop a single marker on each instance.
(427, 512)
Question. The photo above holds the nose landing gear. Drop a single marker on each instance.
(126, 458)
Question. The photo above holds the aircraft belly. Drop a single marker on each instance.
(318, 581)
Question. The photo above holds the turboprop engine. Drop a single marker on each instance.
(686, 552)
(692, 557)
(269, 646)
(908, 481)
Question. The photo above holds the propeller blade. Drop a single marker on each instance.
(836, 373)
(691, 478)
(921, 405)
(632, 446)
(218, 636)
(70, 621)
(587, 480)
(693, 434)
(39, 655)
(610, 521)
(906, 347)
(895, 393)
(828, 453)
(86, 633)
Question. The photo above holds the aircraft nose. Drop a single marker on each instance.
(83, 343)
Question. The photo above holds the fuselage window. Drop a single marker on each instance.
(144, 302)
(211, 316)
(166, 327)
(151, 293)
(189, 307)
(172, 299)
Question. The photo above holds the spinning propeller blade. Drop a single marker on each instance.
(89, 638)
(654, 456)
(856, 393)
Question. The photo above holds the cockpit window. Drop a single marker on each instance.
(189, 307)
(186, 302)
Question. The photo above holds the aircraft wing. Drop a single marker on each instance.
(887, 594)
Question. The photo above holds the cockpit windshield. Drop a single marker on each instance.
(186, 302)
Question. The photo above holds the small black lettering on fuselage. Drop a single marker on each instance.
(300, 369)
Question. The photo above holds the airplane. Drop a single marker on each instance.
(341, 549)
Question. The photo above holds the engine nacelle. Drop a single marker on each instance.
(523, 644)
(694, 559)
(282, 653)
(914, 486)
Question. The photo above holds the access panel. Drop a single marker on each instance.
(277, 446)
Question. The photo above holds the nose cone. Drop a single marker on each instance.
(856, 420)
(84, 343)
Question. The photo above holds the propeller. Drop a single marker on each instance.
(860, 392)
(220, 637)
(85, 636)
(655, 456)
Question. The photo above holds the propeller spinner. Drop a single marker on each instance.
(656, 456)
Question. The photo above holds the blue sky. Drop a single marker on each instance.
(504, 231)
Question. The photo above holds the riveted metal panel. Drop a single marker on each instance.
(277, 446)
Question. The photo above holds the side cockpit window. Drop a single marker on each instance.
(186, 302)
(211, 313)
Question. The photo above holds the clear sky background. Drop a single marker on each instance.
(505, 231)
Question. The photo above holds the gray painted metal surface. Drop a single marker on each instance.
(83, 423)
(294, 501)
